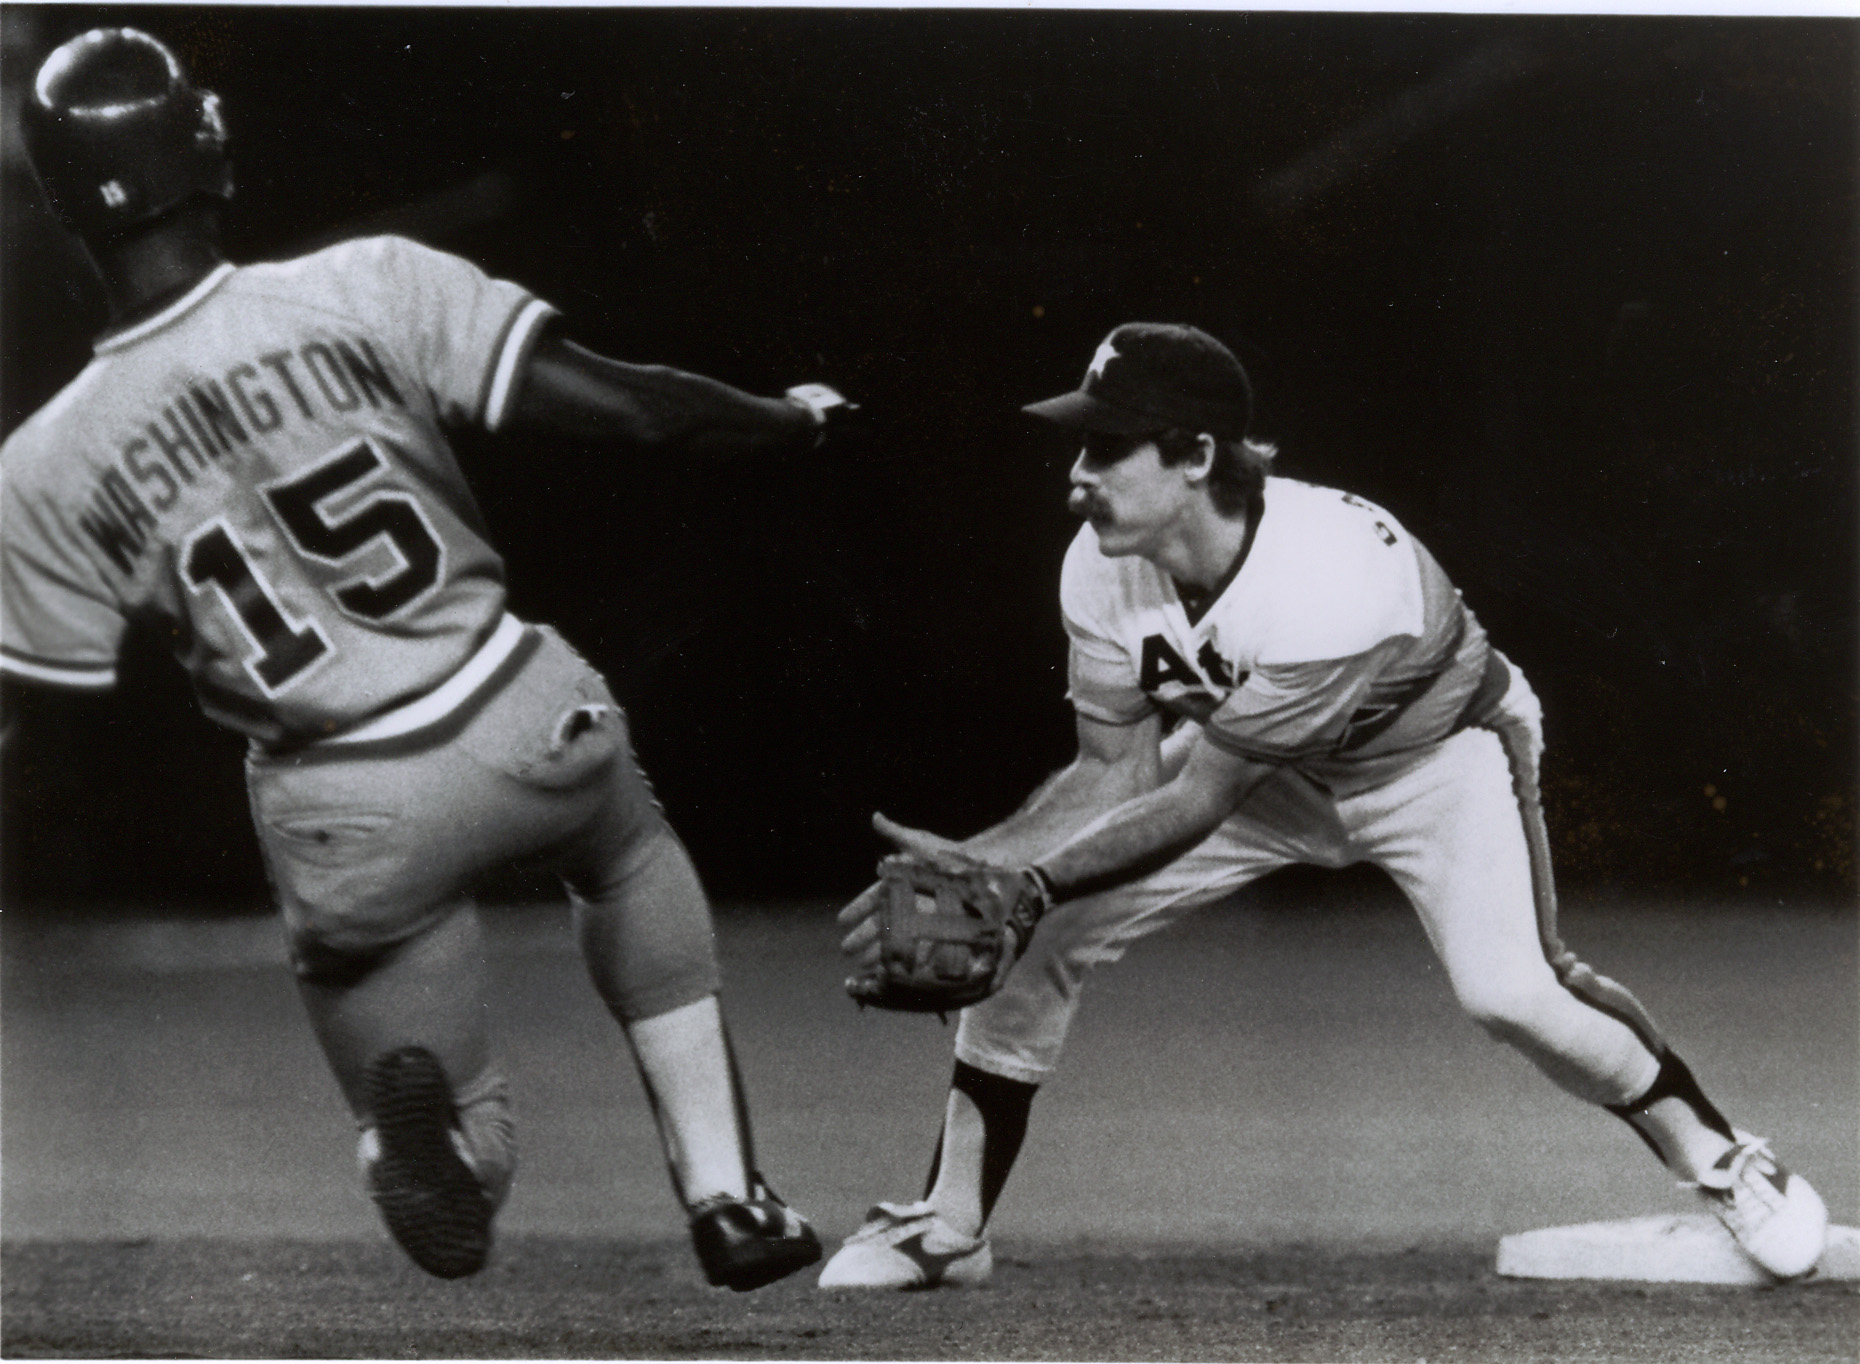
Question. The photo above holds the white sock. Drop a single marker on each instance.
(957, 1194)
(1687, 1145)
(685, 1063)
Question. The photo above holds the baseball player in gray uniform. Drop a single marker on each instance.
(1265, 672)
(257, 461)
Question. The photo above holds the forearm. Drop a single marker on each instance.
(569, 390)
(1135, 837)
(1063, 805)
(1143, 833)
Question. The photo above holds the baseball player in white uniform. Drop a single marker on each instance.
(1266, 672)
(256, 461)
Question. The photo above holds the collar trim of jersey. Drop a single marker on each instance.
(185, 303)
(1202, 603)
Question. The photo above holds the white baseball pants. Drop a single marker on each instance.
(1460, 830)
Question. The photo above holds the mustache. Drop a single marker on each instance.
(1083, 503)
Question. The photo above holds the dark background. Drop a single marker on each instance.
(1574, 297)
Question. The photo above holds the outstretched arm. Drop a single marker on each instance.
(1115, 763)
(1128, 802)
(568, 390)
(1097, 847)
(1148, 829)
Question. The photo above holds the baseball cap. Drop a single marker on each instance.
(1150, 375)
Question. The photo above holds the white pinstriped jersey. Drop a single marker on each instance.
(262, 469)
(1339, 641)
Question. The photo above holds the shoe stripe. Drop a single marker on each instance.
(933, 1263)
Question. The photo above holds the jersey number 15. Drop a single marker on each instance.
(284, 650)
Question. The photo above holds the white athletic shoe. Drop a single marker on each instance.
(906, 1245)
(1777, 1219)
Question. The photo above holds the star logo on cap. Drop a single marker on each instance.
(1106, 352)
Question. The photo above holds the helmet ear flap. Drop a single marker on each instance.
(117, 135)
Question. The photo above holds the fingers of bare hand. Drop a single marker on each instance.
(919, 841)
(861, 939)
(863, 905)
(865, 955)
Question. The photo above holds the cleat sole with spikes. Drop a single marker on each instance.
(432, 1202)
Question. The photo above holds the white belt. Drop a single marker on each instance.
(445, 698)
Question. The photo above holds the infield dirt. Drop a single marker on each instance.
(1273, 1138)
(564, 1298)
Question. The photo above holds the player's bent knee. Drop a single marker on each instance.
(1502, 1027)
(674, 987)
(1543, 1020)
(316, 962)
(648, 939)
(338, 948)
(1513, 1014)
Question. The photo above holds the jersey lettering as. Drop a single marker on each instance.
(1339, 642)
(262, 470)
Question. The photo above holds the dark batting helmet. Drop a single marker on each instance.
(117, 134)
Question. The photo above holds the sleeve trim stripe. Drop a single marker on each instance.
(1228, 744)
(63, 675)
(522, 332)
(1111, 717)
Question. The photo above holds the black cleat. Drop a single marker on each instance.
(432, 1202)
(744, 1245)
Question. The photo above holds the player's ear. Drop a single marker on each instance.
(1201, 464)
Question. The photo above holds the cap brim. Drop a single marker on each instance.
(1078, 411)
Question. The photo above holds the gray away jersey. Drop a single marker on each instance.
(262, 470)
